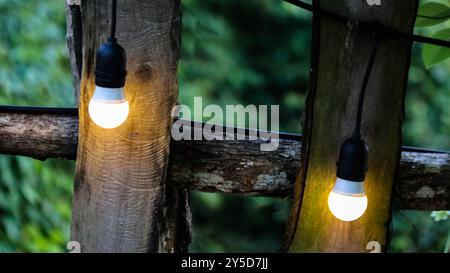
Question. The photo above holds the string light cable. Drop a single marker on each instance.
(108, 107)
(368, 26)
(348, 201)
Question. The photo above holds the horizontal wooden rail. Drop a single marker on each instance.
(232, 166)
(38, 132)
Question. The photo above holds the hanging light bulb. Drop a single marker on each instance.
(348, 201)
(108, 107)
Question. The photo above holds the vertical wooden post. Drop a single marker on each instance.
(74, 42)
(340, 55)
(119, 195)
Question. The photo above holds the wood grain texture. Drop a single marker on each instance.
(119, 191)
(330, 115)
(231, 167)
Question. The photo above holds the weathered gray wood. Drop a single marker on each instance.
(340, 55)
(239, 167)
(39, 135)
(176, 232)
(119, 194)
(423, 182)
(177, 219)
(233, 167)
(74, 42)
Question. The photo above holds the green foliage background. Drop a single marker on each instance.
(234, 52)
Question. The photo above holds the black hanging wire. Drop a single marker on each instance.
(368, 26)
(36, 110)
(113, 19)
(376, 41)
(433, 17)
(301, 4)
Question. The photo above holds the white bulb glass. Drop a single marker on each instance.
(108, 107)
(347, 201)
(347, 208)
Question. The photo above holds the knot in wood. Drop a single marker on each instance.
(144, 72)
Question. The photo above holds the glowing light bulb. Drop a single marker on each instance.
(347, 201)
(108, 107)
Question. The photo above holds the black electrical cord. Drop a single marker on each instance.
(110, 58)
(433, 17)
(113, 19)
(301, 4)
(38, 110)
(376, 42)
(368, 26)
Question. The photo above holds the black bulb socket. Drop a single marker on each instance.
(110, 65)
(352, 163)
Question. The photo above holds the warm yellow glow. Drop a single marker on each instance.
(108, 115)
(347, 208)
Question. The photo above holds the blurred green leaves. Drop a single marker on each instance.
(416, 231)
(243, 52)
(255, 52)
(432, 54)
(34, 204)
(35, 197)
(440, 215)
(427, 116)
(432, 13)
(435, 14)
(34, 60)
(225, 223)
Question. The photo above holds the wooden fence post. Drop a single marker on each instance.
(340, 55)
(119, 202)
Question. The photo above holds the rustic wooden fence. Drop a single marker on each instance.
(131, 195)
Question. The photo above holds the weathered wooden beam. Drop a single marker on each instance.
(423, 181)
(120, 183)
(39, 133)
(74, 39)
(232, 167)
(176, 227)
(239, 167)
(340, 56)
(235, 167)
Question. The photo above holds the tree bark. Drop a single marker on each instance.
(423, 182)
(119, 194)
(231, 167)
(39, 133)
(339, 64)
(74, 41)
(235, 167)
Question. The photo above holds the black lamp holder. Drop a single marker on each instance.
(110, 64)
(353, 154)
